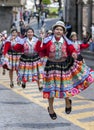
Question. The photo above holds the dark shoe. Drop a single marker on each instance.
(53, 116)
(40, 89)
(11, 85)
(3, 72)
(68, 110)
(23, 85)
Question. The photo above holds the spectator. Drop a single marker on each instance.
(92, 28)
(42, 19)
(69, 29)
(38, 18)
(91, 47)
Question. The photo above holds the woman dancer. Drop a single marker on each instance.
(78, 45)
(12, 51)
(30, 66)
(64, 76)
(1, 42)
(3, 39)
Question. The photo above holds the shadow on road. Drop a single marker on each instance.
(16, 103)
(41, 125)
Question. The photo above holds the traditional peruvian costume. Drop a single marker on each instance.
(63, 76)
(80, 46)
(1, 43)
(30, 66)
(11, 53)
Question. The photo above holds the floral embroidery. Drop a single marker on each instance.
(77, 46)
(57, 94)
(26, 48)
(52, 48)
(90, 79)
(46, 95)
(74, 91)
(68, 94)
(92, 73)
(85, 84)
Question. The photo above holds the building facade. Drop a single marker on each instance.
(12, 3)
(79, 13)
(9, 9)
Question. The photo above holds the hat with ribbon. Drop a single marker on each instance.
(59, 23)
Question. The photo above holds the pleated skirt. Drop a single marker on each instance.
(66, 79)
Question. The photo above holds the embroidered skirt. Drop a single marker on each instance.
(31, 68)
(66, 79)
(12, 60)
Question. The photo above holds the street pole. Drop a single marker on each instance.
(64, 10)
(67, 11)
(89, 24)
(80, 17)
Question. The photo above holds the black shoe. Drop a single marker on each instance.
(23, 85)
(11, 85)
(68, 110)
(3, 72)
(40, 89)
(53, 116)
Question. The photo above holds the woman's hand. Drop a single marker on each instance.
(42, 34)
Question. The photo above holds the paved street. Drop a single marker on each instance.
(48, 24)
(27, 110)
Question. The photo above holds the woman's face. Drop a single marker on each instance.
(30, 34)
(14, 34)
(74, 37)
(58, 32)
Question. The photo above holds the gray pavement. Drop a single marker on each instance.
(48, 24)
(18, 113)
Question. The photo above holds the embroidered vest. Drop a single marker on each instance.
(58, 50)
(77, 46)
(29, 46)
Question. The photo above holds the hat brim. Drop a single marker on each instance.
(73, 35)
(56, 25)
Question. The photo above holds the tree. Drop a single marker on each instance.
(40, 4)
(60, 4)
(46, 2)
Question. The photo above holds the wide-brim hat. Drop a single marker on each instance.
(59, 23)
(72, 34)
(49, 31)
